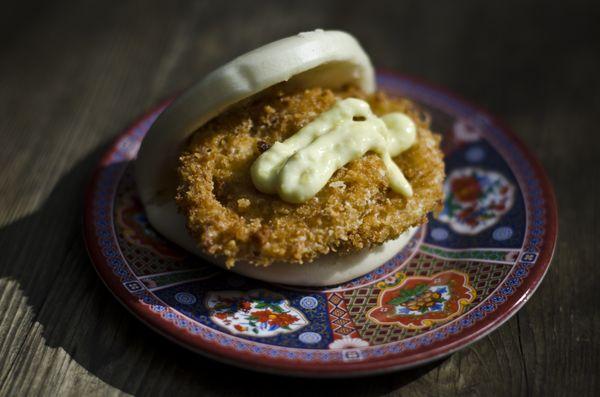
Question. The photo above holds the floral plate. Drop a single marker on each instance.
(460, 277)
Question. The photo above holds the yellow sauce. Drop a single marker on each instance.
(299, 167)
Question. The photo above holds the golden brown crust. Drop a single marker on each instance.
(227, 216)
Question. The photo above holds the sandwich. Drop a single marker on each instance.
(288, 165)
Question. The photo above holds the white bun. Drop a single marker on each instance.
(326, 270)
(319, 58)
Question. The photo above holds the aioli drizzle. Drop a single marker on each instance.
(299, 167)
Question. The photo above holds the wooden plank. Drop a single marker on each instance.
(72, 75)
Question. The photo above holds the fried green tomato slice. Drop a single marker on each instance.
(227, 216)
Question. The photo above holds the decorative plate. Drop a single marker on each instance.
(461, 276)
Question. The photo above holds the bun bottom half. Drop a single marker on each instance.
(326, 270)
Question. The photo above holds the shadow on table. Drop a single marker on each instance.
(45, 254)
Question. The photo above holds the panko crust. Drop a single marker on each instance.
(228, 216)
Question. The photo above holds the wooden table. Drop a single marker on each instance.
(72, 75)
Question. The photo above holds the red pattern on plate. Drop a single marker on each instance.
(419, 302)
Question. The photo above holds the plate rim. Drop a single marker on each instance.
(371, 366)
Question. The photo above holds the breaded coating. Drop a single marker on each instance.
(228, 216)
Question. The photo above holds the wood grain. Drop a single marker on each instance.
(73, 74)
